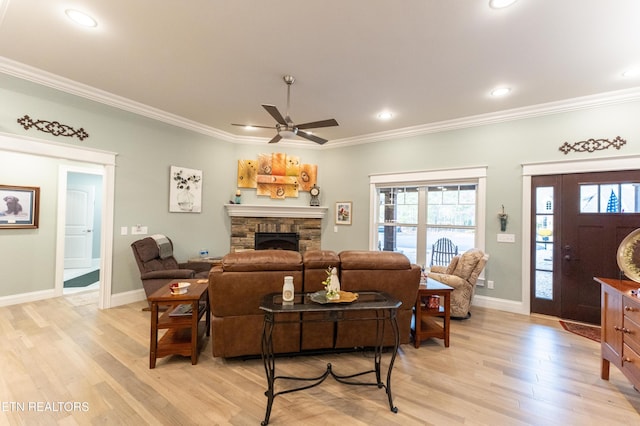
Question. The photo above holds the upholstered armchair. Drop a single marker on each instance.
(461, 274)
(158, 266)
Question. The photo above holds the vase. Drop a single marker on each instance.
(503, 224)
(185, 200)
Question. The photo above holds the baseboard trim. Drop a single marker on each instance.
(16, 299)
(127, 297)
(513, 306)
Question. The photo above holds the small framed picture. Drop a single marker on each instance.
(19, 206)
(343, 213)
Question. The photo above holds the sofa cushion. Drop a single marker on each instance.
(362, 259)
(161, 264)
(147, 249)
(452, 265)
(320, 259)
(262, 260)
(467, 263)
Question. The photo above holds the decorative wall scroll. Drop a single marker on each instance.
(53, 127)
(277, 175)
(19, 206)
(591, 145)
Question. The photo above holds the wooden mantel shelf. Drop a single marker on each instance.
(252, 210)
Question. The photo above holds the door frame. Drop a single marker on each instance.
(106, 231)
(104, 159)
(603, 164)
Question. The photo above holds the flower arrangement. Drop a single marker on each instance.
(186, 182)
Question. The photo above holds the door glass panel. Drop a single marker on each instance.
(544, 243)
(630, 197)
(610, 198)
(588, 198)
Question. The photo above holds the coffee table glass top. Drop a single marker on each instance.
(302, 303)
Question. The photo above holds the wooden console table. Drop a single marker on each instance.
(185, 333)
(424, 325)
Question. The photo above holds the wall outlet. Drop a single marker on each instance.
(139, 230)
(490, 285)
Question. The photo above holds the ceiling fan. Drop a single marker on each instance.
(285, 126)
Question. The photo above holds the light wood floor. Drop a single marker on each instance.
(501, 369)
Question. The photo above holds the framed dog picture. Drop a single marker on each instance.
(19, 206)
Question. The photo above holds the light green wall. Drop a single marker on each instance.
(146, 149)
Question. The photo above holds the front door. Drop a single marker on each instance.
(580, 220)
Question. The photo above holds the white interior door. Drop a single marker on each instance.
(78, 247)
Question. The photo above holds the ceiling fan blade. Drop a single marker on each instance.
(311, 137)
(271, 109)
(252, 125)
(275, 139)
(316, 124)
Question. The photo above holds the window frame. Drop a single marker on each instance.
(430, 178)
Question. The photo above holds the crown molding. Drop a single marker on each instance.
(567, 105)
(44, 78)
(36, 75)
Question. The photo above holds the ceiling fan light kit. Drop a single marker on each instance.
(285, 127)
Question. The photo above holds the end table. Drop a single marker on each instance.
(185, 332)
(424, 325)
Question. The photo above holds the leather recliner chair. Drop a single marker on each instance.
(156, 271)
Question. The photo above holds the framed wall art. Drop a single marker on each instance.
(19, 207)
(343, 213)
(185, 190)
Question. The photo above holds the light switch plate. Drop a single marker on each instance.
(506, 238)
(124, 230)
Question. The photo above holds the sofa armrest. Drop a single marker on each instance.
(168, 274)
(450, 280)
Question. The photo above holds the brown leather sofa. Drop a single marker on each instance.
(238, 284)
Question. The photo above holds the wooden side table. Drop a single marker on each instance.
(424, 325)
(185, 333)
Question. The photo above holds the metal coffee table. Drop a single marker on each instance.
(383, 309)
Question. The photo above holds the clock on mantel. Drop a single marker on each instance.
(315, 192)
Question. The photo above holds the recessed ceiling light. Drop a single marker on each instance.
(249, 128)
(630, 73)
(500, 4)
(500, 91)
(385, 115)
(81, 18)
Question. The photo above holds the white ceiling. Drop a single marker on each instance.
(214, 62)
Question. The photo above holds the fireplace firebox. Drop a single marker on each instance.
(277, 240)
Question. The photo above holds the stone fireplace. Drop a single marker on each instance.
(277, 241)
(247, 220)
